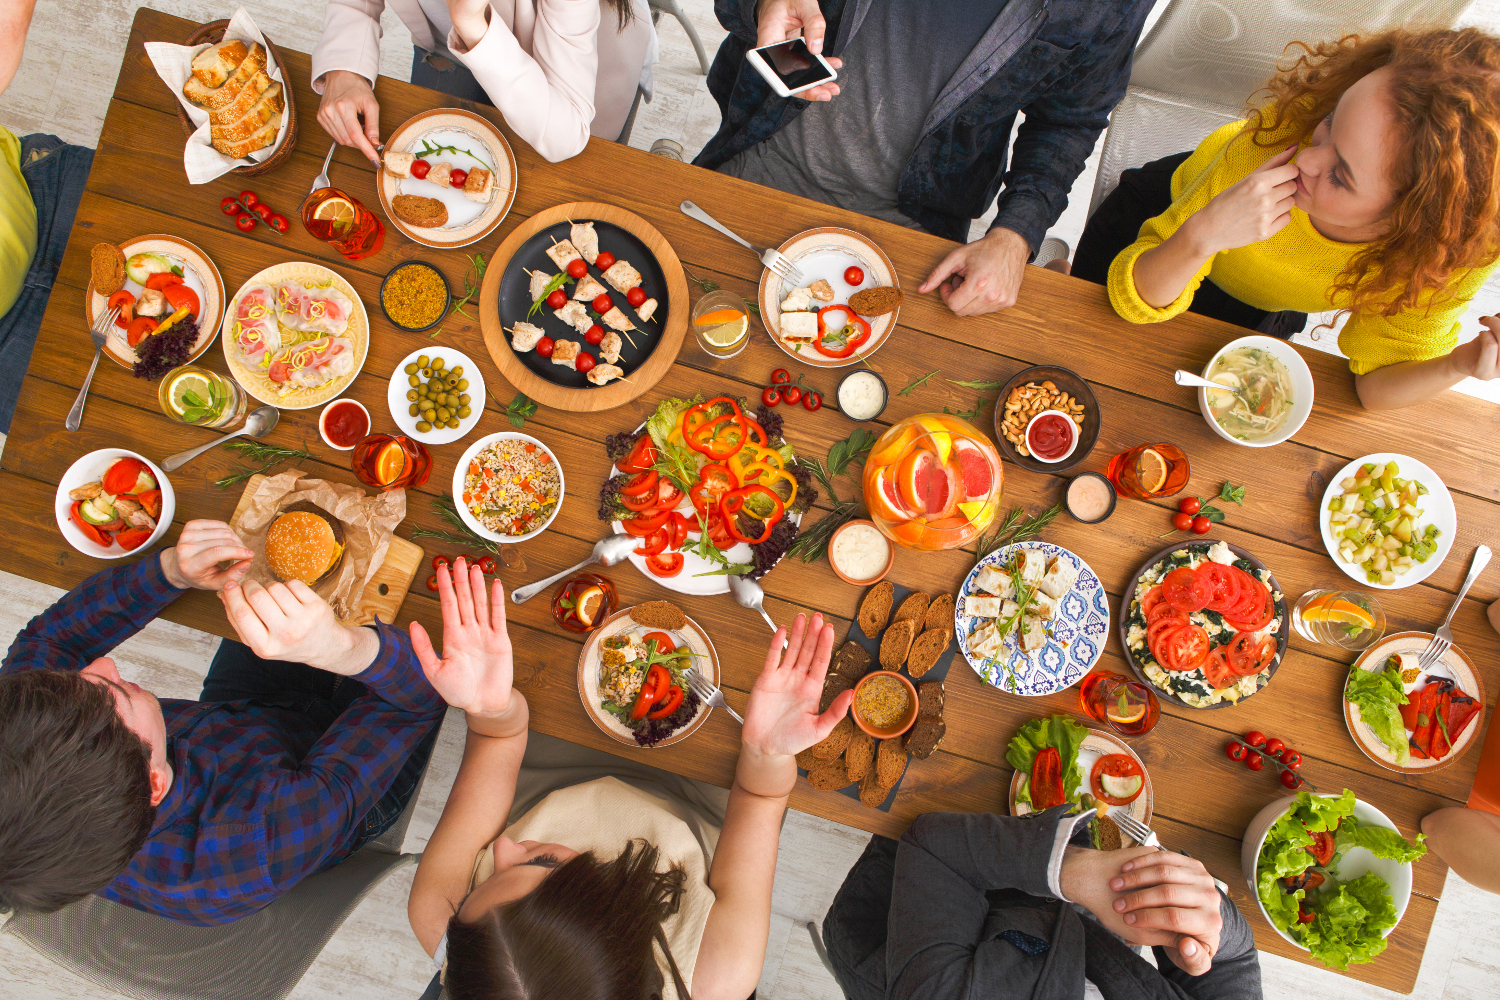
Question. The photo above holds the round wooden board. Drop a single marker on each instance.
(594, 398)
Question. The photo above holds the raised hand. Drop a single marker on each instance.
(208, 555)
(783, 19)
(1255, 208)
(782, 715)
(476, 671)
(1480, 357)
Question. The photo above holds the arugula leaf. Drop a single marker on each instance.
(558, 280)
(982, 386)
(967, 414)
(917, 383)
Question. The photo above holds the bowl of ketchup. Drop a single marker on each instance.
(343, 424)
(1051, 436)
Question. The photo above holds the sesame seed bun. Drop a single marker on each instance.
(304, 543)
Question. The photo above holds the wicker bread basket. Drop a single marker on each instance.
(214, 32)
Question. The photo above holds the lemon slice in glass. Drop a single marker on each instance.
(724, 334)
(339, 211)
(1153, 470)
(185, 383)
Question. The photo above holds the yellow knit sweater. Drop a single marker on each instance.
(1295, 269)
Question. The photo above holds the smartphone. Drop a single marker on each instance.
(790, 67)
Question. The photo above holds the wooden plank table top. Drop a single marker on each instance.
(1203, 800)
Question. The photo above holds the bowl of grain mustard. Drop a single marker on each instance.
(415, 296)
(885, 704)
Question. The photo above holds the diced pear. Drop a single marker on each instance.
(1402, 530)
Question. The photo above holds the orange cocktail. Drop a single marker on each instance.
(933, 481)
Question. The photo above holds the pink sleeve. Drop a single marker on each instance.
(350, 40)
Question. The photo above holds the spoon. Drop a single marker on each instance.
(257, 424)
(750, 594)
(607, 552)
(1188, 378)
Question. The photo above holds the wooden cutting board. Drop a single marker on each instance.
(387, 589)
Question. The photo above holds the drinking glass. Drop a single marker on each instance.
(194, 395)
(339, 220)
(721, 323)
(391, 462)
(1349, 619)
(1148, 471)
(1123, 703)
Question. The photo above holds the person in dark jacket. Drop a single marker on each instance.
(979, 905)
(926, 97)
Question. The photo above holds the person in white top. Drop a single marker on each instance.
(556, 922)
(558, 70)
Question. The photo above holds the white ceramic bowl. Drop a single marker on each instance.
(1437, 509)
(89, 469)
(458, 486)
(1072, 434)
(323, 422)
(1302, 389)
(1352, 866)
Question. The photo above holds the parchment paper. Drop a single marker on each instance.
(368, 523)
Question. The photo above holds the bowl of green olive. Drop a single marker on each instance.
(436, 395)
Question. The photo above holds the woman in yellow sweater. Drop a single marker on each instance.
(1369, 183)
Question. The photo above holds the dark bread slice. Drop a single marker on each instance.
(870, 792)
(913, 608)
(829, 775)
(876, 301)
(939, 613)
(860, 754)
(926, 651)
(658, 614)
(875, 609)
(806, 760)
(420, 212)
(833, 686)
(835, 742)
(1107, 834)
(852, 660)
(107, 268)
(896, 643)
(923, 738)
(890, 763)
(930, 700)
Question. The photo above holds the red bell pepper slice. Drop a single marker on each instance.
(1426, 710)
(654, 542)
(124, 475)
(643, 482)
(1046, 779)
(757, 432)
(90, 532)
(643, 524)
(652, 688)
(851, 344)
(719, 438)
(132, 538)
(1465, 710)
(734, 501)
(671, 703)
(162, 279)
(1440, 744)
(714, 480)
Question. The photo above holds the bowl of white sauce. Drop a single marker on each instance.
(860, 554)
(862, 395)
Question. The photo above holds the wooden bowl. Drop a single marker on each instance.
(1070, 383)
(907, 721)
(213, 31)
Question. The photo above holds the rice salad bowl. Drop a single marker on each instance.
(508, 487)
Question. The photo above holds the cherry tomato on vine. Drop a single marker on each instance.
(602, 303)
(1274, 746)
(1254, 738)
(604, 261)
(594, 334)
(1189, 505)
(770, 395)
(1291, 779)
(263, 210)
(812, 401)
(557, 299)
(781, 376)
(792, 394)
(854, 276)
(248, 198)
(577, 268)
(278, 222)
(1291, 758)
(1182, 522)
(438, 562)
(1254, 762)
(246, 221)
(1235, 750)
(1202, 525)
(487, 565)
(230, 205)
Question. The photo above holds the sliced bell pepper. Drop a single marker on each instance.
(733, 502)
(1046, 779)
(654, 685)
(1440, 744)
(90, 532)
(847, 343)
(762, 474)
(757, 433)
(719, 439)
(714, 480)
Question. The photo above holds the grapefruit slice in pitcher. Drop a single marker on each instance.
(884, 500)
(971, 470)
(926, 484)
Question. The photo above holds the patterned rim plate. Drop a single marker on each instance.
(1095, 745)
(199, 274)
(1075, 638)
(826, 253)
(468, 221)
(589, 662)
(1409, 646)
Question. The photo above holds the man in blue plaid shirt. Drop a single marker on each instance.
(308, 742)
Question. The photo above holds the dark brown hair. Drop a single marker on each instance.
(75, 790)
(585, 933)
(623, 11)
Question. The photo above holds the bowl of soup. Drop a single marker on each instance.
(1267, 394)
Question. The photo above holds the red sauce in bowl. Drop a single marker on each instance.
(345, 424)
(1050, 436)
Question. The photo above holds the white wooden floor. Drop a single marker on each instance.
(63, 87)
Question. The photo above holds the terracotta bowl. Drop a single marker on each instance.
(889, 561)
(906, 722)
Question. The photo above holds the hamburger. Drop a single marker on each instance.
(304, 543)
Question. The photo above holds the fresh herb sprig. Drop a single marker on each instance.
(447, 510)
(967, 414)
(813, 543)
(269, 455)
(430, 148)
(705, 549)
(1228, 493)
(558, 280)
(917, 383)
(982, 386)
(1017, 527)
(519, 409)
(199, 408)
(473, 278)
(705, 286)
(678, 464)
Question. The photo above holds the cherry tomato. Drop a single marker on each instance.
(792, 394)
(1254, 738)
(636, 295)
(781, 376)
(1291, 758)
(812, 401)
(419, 168)
(263, 210)
(602, 303)
(577, 268)
(854, 276)
(1201, 525)
(432, 582)
(246, 221)
(457, 177)
(770, 395)
(487, 565)
(278, 222)
(438, 562)
(585, 362)
(229, 205)
(1274, 747)
(1235, 750)
(557, 299)
(248, 198)
(544, 347)
(1189, 505)
(1254, 762)
(604, 261)
(1291, 779)
(594, 334)
(1182, 522)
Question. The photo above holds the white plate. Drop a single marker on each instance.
(1437, 508)
(1095, 745)
(826, 253)
(458, 487)
(480, 144)
(1408, 646)
(590, 662)
(401, 406)
(89, 469)
(198, 273)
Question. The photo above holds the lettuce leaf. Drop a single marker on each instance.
(1379, 841)
(1058, 731)
(1379, 695)
(1350, 923)
(661, 423)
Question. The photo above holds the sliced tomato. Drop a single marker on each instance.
(1185, 590)
(161, 279)
(654, 542)
(666, 565)
(643, 524)
(664, 643)
(1323, 845)
(151, 500)
(718, 533)
(125, 302)
(179, 296)
(1185, 649)
(1223, 586)
(1165, 610)
(132, 538)
(642, 455)
(1217, 670)
(680, 526)
(1163, 625)
(653, 687)
(1260, 613)
(139, 329)
(1152, 600)
(641, 484)
(1241, 654)
(90, 532)
(643, 504)
(123, 475)
(668, 704)
(1116, 765)
(668, 495)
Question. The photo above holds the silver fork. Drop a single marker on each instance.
(1442, 639)
(705, 689)
(775, 260)
(98, 333)
(322, 181)
(1134, 828)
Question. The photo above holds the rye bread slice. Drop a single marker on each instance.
(658, 614)
(860, 754)
(852, 660)
(829, 775)
(833, 686)
(890, 762)
(870, 792)
(806, 760)
(914, 608)
(930, 700)
(926, 650)
(939, 613)
(1108, 833)
(107, 268)
(923, 738)
(875, 609)
(876, 301)
(420, 212)
(834, 744)
(896, 643)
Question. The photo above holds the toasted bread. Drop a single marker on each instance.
(876, 301)
(477, 185)
(248, 97)
(852, 660)
(890, 763)
(829, 775)
(834, 743)
(213, 65)
(927, 650)
(107, 268)
(923, 738)
(266, 108)
(806, 760)
(259, 139)
(658, 614)
(896, 643)
(914, 608)
(1105, 832)
(930, 700)
(860, 754)
(423, 213)
(870, 792)
(939, 613)
(833, 686)
(875, 609)
(214, 98)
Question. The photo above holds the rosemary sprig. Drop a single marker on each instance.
(473, 277)
(1015, 528)
(269, 454)
(704, 285)
(917, 383)
(447, 509)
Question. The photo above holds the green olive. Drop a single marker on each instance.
(414, 409)
(429, 414)
(422, 391)
(411, 394)
(463, 412)
(442, 413)
(426, 373)
(410, 369)
(458, 369)
(464, 399)
(423, 426)
(437, 364)
(422, 361)
(413, 381)
(453, 423)
(463, 384)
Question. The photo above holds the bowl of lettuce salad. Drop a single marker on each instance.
(1332, 874)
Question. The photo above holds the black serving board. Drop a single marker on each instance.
(938, 672)
(515, 300)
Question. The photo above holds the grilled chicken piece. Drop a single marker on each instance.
(87, 491)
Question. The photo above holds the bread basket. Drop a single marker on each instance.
(212, 32)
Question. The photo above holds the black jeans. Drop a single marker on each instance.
(1144, 193)
(237, 674)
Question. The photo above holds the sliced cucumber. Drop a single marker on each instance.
(143, 265)
(98, 511)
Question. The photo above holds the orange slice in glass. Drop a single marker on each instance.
(1152, 470)
(390, 463)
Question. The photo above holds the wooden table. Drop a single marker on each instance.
(1203, 800)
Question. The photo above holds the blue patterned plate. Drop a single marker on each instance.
(1075, 637)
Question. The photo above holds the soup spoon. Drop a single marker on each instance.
(1188, 378)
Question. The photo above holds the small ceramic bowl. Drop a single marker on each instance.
(907, 720)
(1302, 389)
(890, 558)
(1114, 497)
(447, 296)
(1072, 435)
(323, 422)
(885, 393)
(89, 469)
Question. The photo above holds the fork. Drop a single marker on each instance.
(1442, 639)
(705, 689)
(775, 260)
(322, 181)
(98, 332)
(1146, 837)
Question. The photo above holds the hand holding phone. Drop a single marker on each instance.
(791, 68)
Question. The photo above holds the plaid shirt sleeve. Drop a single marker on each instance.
(92, 619)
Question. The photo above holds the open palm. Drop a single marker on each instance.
(475, 672)
(782, 716)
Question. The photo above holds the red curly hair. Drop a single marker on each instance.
(1445, 95)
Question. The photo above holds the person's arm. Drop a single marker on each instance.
(345, 62)
(15, 21)
(781, 720)
(1412, 382)
(475, 674)
(1468, 841)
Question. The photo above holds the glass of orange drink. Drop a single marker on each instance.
(390, 462)
(933, 481)
(721, 323)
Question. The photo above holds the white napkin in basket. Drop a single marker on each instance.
(174, 65)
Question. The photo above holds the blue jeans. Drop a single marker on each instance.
(237, 674)
(56, 173)
(447, 75)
